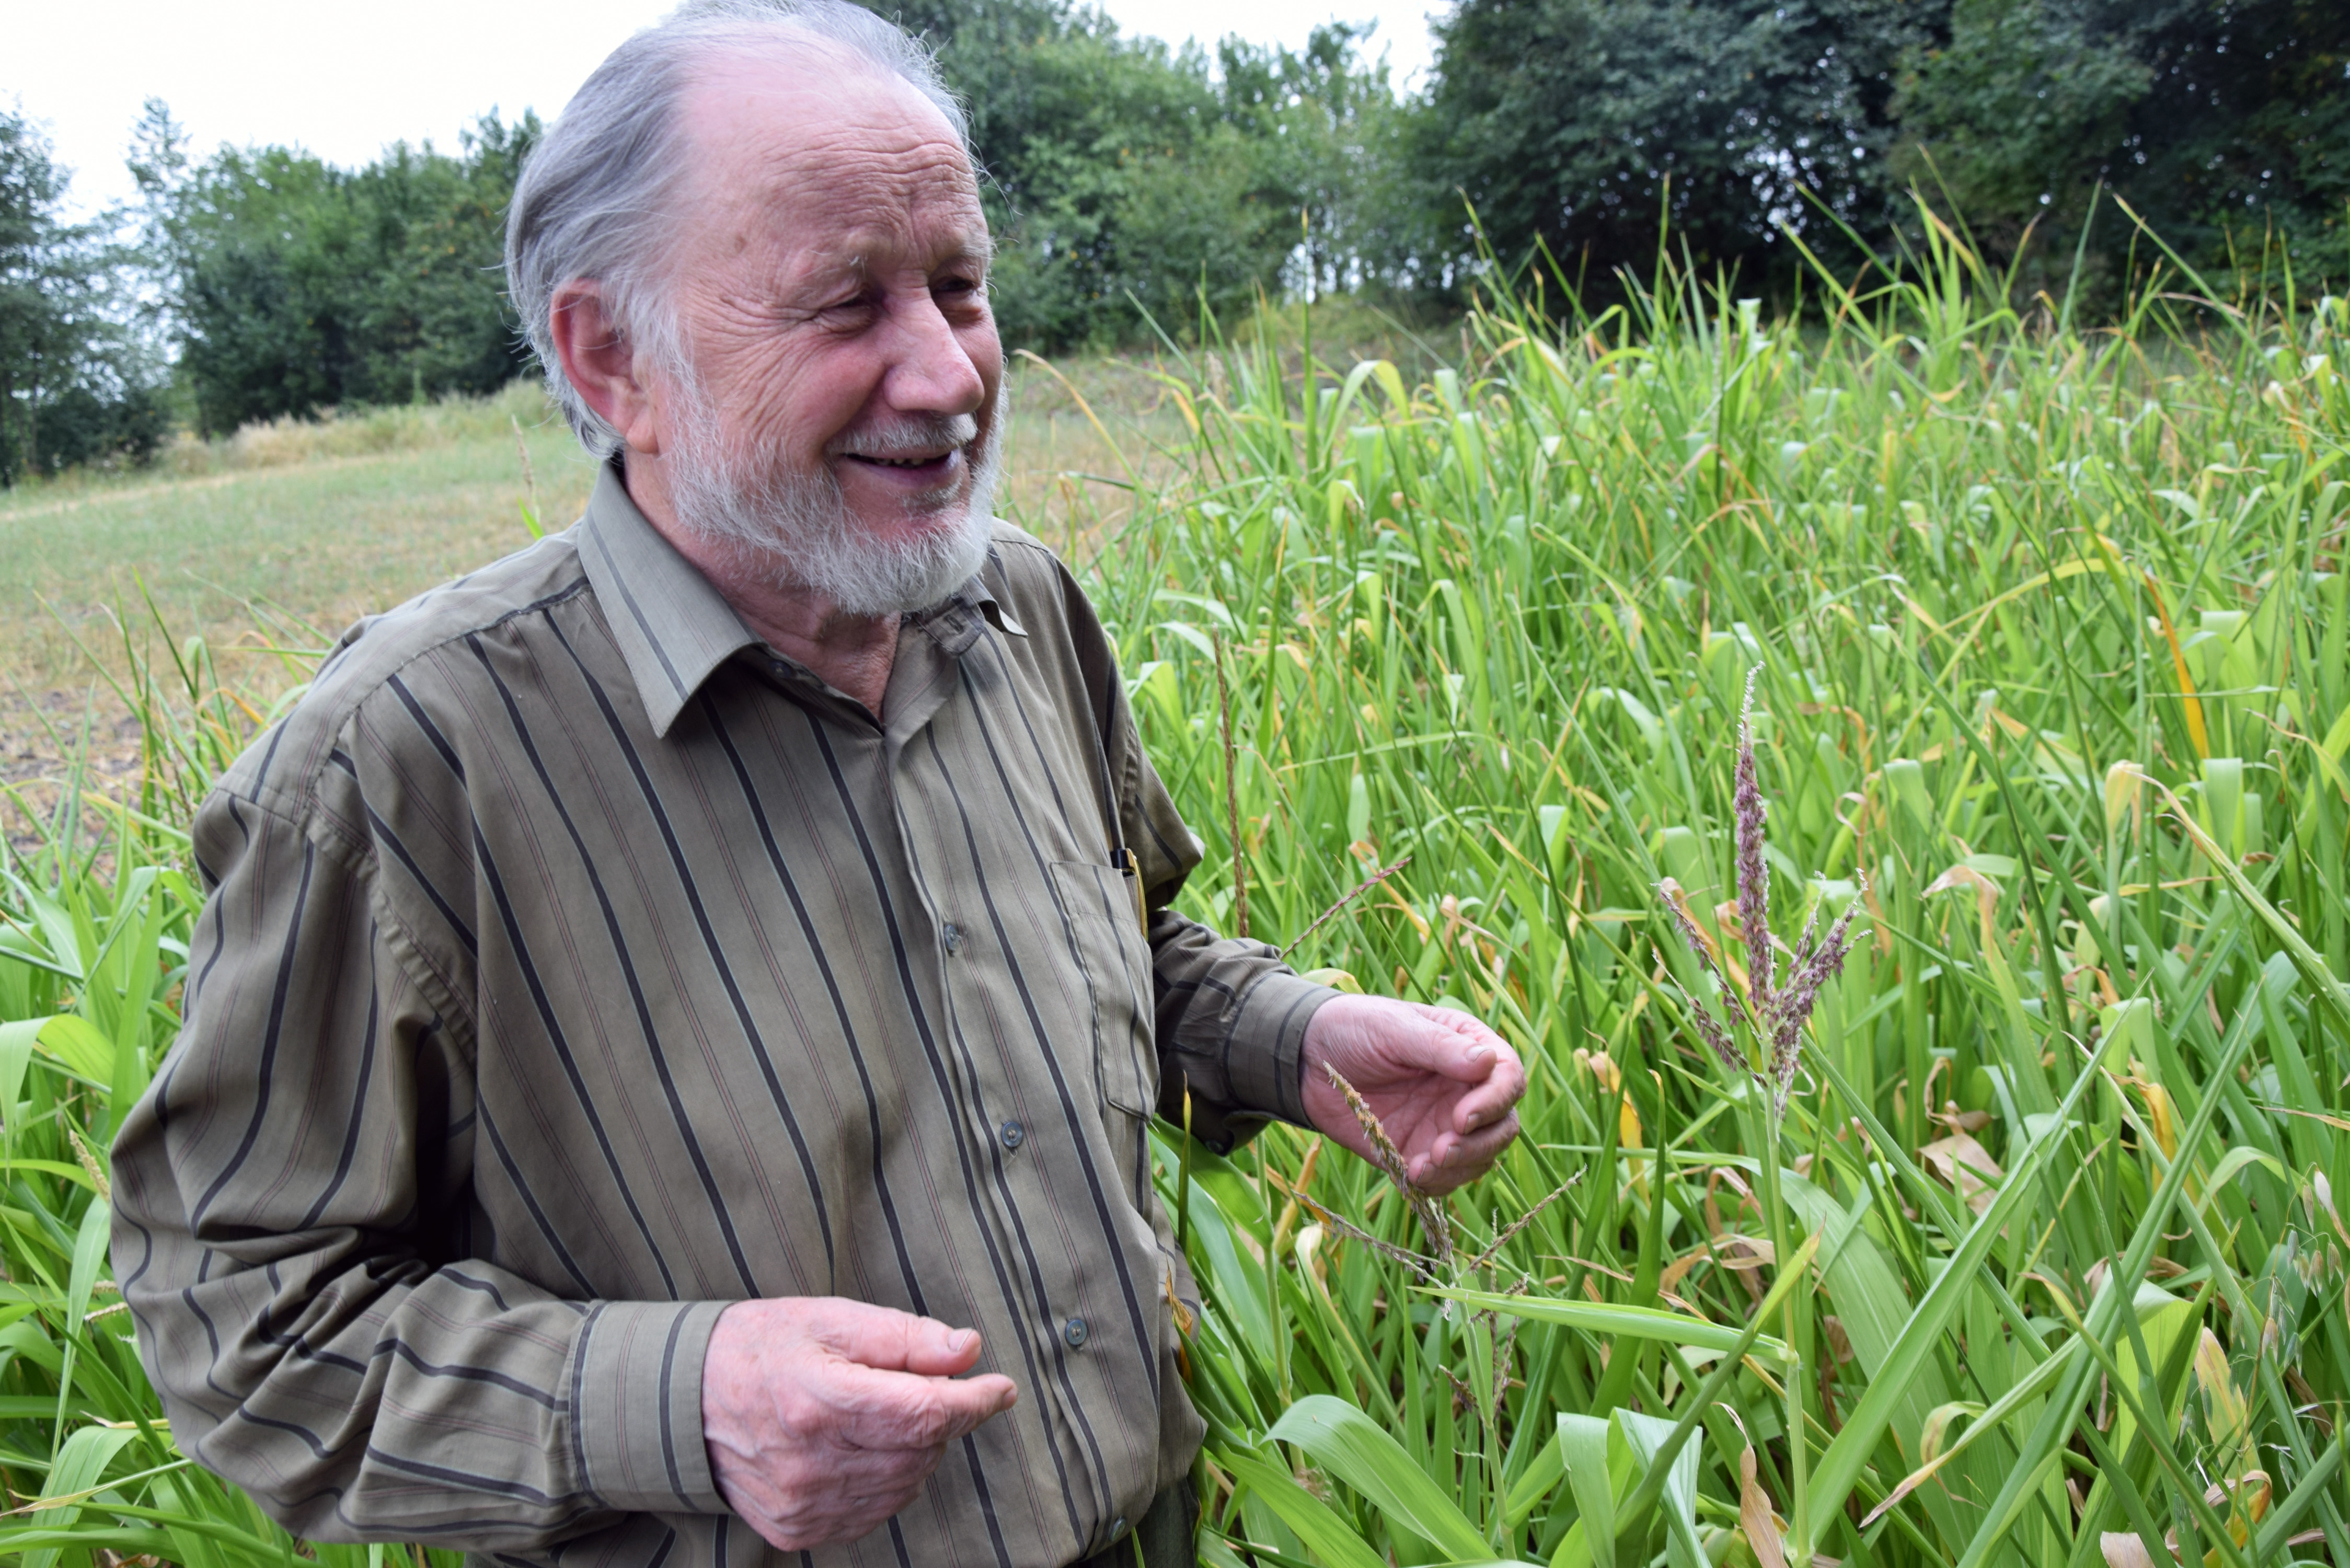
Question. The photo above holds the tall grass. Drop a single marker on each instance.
(2052, 696)
(2050, 634)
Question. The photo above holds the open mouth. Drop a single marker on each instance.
(912, 465)
(932, 461)
(915, 453)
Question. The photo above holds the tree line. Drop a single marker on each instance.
(1133, 186)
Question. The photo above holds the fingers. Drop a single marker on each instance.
(1454, 1159)
(1458, 1045)
(891, 1340)
(1448, 1041)
(1477, 1055)
(822, 1496)
(844, 1372)
(823, 1418)
(1483, 1059)
(1488, 1104)
(1442, 1082)
(875, 1410)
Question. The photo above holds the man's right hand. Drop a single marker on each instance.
(824, 1417)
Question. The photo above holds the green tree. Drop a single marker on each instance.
(1109, 171)
(1326, 136)
(2224, 123)
(74, 387)
(1123, 174)
(298, 286)
(1581, 126)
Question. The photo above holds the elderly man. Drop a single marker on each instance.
(670, 1043)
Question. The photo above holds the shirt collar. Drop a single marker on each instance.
(955, 624)
(674, 628)
(672, 625)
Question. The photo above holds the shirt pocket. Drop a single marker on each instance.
(1107, 924)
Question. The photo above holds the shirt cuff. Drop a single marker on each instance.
(636, 1407)
(1261, 1046)
(1274, 1012)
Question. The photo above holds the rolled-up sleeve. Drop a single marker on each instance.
(293, 1227)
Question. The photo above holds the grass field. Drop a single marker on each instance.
(313, 523)
(2040, 1261)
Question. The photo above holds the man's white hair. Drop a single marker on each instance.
(597, 194)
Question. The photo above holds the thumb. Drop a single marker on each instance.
(894, 1411)
(893, 1341)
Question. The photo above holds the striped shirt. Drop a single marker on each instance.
(574, 965)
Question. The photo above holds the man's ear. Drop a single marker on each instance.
(601, 363)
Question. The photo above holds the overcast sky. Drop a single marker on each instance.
(344, 79)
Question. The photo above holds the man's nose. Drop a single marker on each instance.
(933, 372)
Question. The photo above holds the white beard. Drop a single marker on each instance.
(798, 526)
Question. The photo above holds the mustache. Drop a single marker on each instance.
(914, 433)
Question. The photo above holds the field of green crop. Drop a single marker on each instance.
(2041, 1262)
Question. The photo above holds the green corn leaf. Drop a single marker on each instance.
(77, 1045)
(57, 1168)
(1793, 1273)
(2306, 958)
(1542, 1471)
(1353, 1447)
(2233, 1162)
(2035, 1383)
(50, 1499)
(2056, 1421)
(40, 1544)
(1329, 1537)
(1839, 1467)
(1214, 1552)
(81, 1459)
(16, 1042)
(73, 1042)
(1622, 1322)
(1648, 1436)
(1583, 1445)
(89, 1255)
(2304, 1495)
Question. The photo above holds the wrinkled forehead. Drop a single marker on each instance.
(804, 143)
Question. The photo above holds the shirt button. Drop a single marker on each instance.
(1118, 1527)
(1074, 1332)
(952, 936)
(1012, 1134)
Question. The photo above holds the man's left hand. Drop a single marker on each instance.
(1440, 1082)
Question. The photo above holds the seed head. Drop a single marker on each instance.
(1813, 969)
(1676, 902)
(1716, 1038)
(1389, 1158)
(1776, 1013)
(1748, 808)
